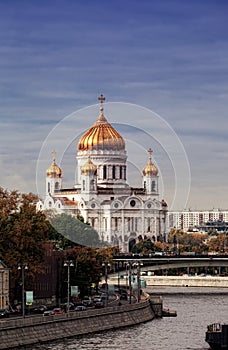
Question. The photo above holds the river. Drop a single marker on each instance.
(196, 307)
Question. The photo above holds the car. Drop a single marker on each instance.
(58, 311)
(65, 306)
(4, 313)
(88, 303)
(80, 308)
(39, 309)
(97, 298)
(99, 305)
(49, 313)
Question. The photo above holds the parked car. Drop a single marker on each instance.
(58, 311)
(88, 303)
(64, 306)
(49, 313)
(80, 308)
(39, 309)
(99, 304)
(97, 298)
(4, 313)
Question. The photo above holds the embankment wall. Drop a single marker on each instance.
(190, 281)
(30, 330)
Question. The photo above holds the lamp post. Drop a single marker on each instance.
(139, 264)
(68, 264)
(23, 267)
(128, 278)
(106, 264)
(2, 289)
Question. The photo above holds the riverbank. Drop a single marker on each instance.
(187, 281)
(179, 281)
(17, 333)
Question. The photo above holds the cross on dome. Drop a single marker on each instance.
(53, 155)
(150, 151)
(101, 98)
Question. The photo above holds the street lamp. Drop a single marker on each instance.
(128, 278)
(139, 264)
(23, 267)
(68, 264)
(106, 264)
(2, 289)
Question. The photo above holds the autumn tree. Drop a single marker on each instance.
(22, 232)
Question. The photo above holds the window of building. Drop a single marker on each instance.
(121, 172)
(105, 172)
(153, 186)
(114, 172)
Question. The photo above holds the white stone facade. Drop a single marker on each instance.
(119, 212)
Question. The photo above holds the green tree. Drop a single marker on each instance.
(73, 231)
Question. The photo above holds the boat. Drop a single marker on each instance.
(217, 336)
(168, 313)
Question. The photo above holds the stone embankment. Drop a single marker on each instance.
(180, 281)
(185, 280)
(15, 333)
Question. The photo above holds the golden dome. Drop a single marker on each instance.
(101, 136)
(88, 168)
(150, 169)
(54, 170)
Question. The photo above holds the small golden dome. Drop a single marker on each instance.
(54, 170)
(150, 168)
(88, 168)
(101, 136)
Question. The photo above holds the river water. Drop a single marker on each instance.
(196, 307)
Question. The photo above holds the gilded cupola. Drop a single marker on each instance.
(88, 168)
(150, 169)
(54, 170)
(101, 136)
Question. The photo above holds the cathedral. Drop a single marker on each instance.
(121, 214)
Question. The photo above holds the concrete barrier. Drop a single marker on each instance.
(30, 330)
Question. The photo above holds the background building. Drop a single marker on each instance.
(189, 218)
(117, 211)
(4, 286)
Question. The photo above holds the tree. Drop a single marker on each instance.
(22, 232)
(88, 267)
(73, 230)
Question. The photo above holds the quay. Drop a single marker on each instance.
(187, 281)
(179, 281)
(21, 332)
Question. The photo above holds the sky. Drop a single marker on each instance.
(163, 68)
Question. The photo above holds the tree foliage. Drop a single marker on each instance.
(72, 230)
(22, 231)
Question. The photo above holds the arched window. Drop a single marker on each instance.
(144, 185)
(121, 172)
(114, 172)
(92, 185)
(83, 185)
(105, 172)
(153, 186)
(56, 186)
(49, 187)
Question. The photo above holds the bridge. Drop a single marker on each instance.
(165, 262)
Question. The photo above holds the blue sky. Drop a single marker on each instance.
(171, 57)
